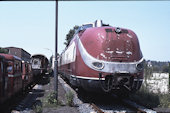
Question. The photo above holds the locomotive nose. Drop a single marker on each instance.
(117, 45)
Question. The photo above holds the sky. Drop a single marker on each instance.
(31, 25)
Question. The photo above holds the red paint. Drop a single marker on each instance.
(11, 78)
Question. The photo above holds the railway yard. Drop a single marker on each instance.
(36, 100)
(98, 80)
(60, 57)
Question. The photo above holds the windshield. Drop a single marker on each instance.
(87, 26)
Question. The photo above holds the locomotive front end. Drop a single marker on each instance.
(115, 56)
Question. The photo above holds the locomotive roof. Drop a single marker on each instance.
(97, 23)
(38, 55)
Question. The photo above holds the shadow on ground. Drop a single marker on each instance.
(26, 100)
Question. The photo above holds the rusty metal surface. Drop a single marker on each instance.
(138, 108)
(110, 46)
(96, 108)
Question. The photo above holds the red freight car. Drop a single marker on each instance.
(27, 76)
(3, 79)
(13, 81)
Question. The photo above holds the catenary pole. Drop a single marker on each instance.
(55, 61)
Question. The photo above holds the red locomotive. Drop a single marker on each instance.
(103, 58)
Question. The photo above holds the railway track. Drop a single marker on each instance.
(97, 109)
(109, 104)
(138, 108)
(131, 105)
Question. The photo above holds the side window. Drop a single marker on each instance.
(17, 66)
(35, 62)
(27, 68)
(2, 67)
(9, 69)
(20, 65)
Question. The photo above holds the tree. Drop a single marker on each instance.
(3, 50)
(51, 59)
(165, 69)
(169, 67)
(70, 35)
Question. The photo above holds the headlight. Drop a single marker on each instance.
(117, 30)
(98, 65)
(139, 66)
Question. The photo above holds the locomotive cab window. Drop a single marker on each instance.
(17, 66)
(35, 62)
(87, 26)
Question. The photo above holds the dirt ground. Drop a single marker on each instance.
(43, 102)
(40, 99)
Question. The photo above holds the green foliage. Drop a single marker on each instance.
(156, 67)
(38, 108)
(165, 101)
(70, 35)
(3, 50)
(69, 97)
(145, 98)
(50, 61)
(151, 100)
(169, 67)
(147, 70)
(51, 98)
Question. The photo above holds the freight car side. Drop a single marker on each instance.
(27, 76)
(13, 76)
(3, 79)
